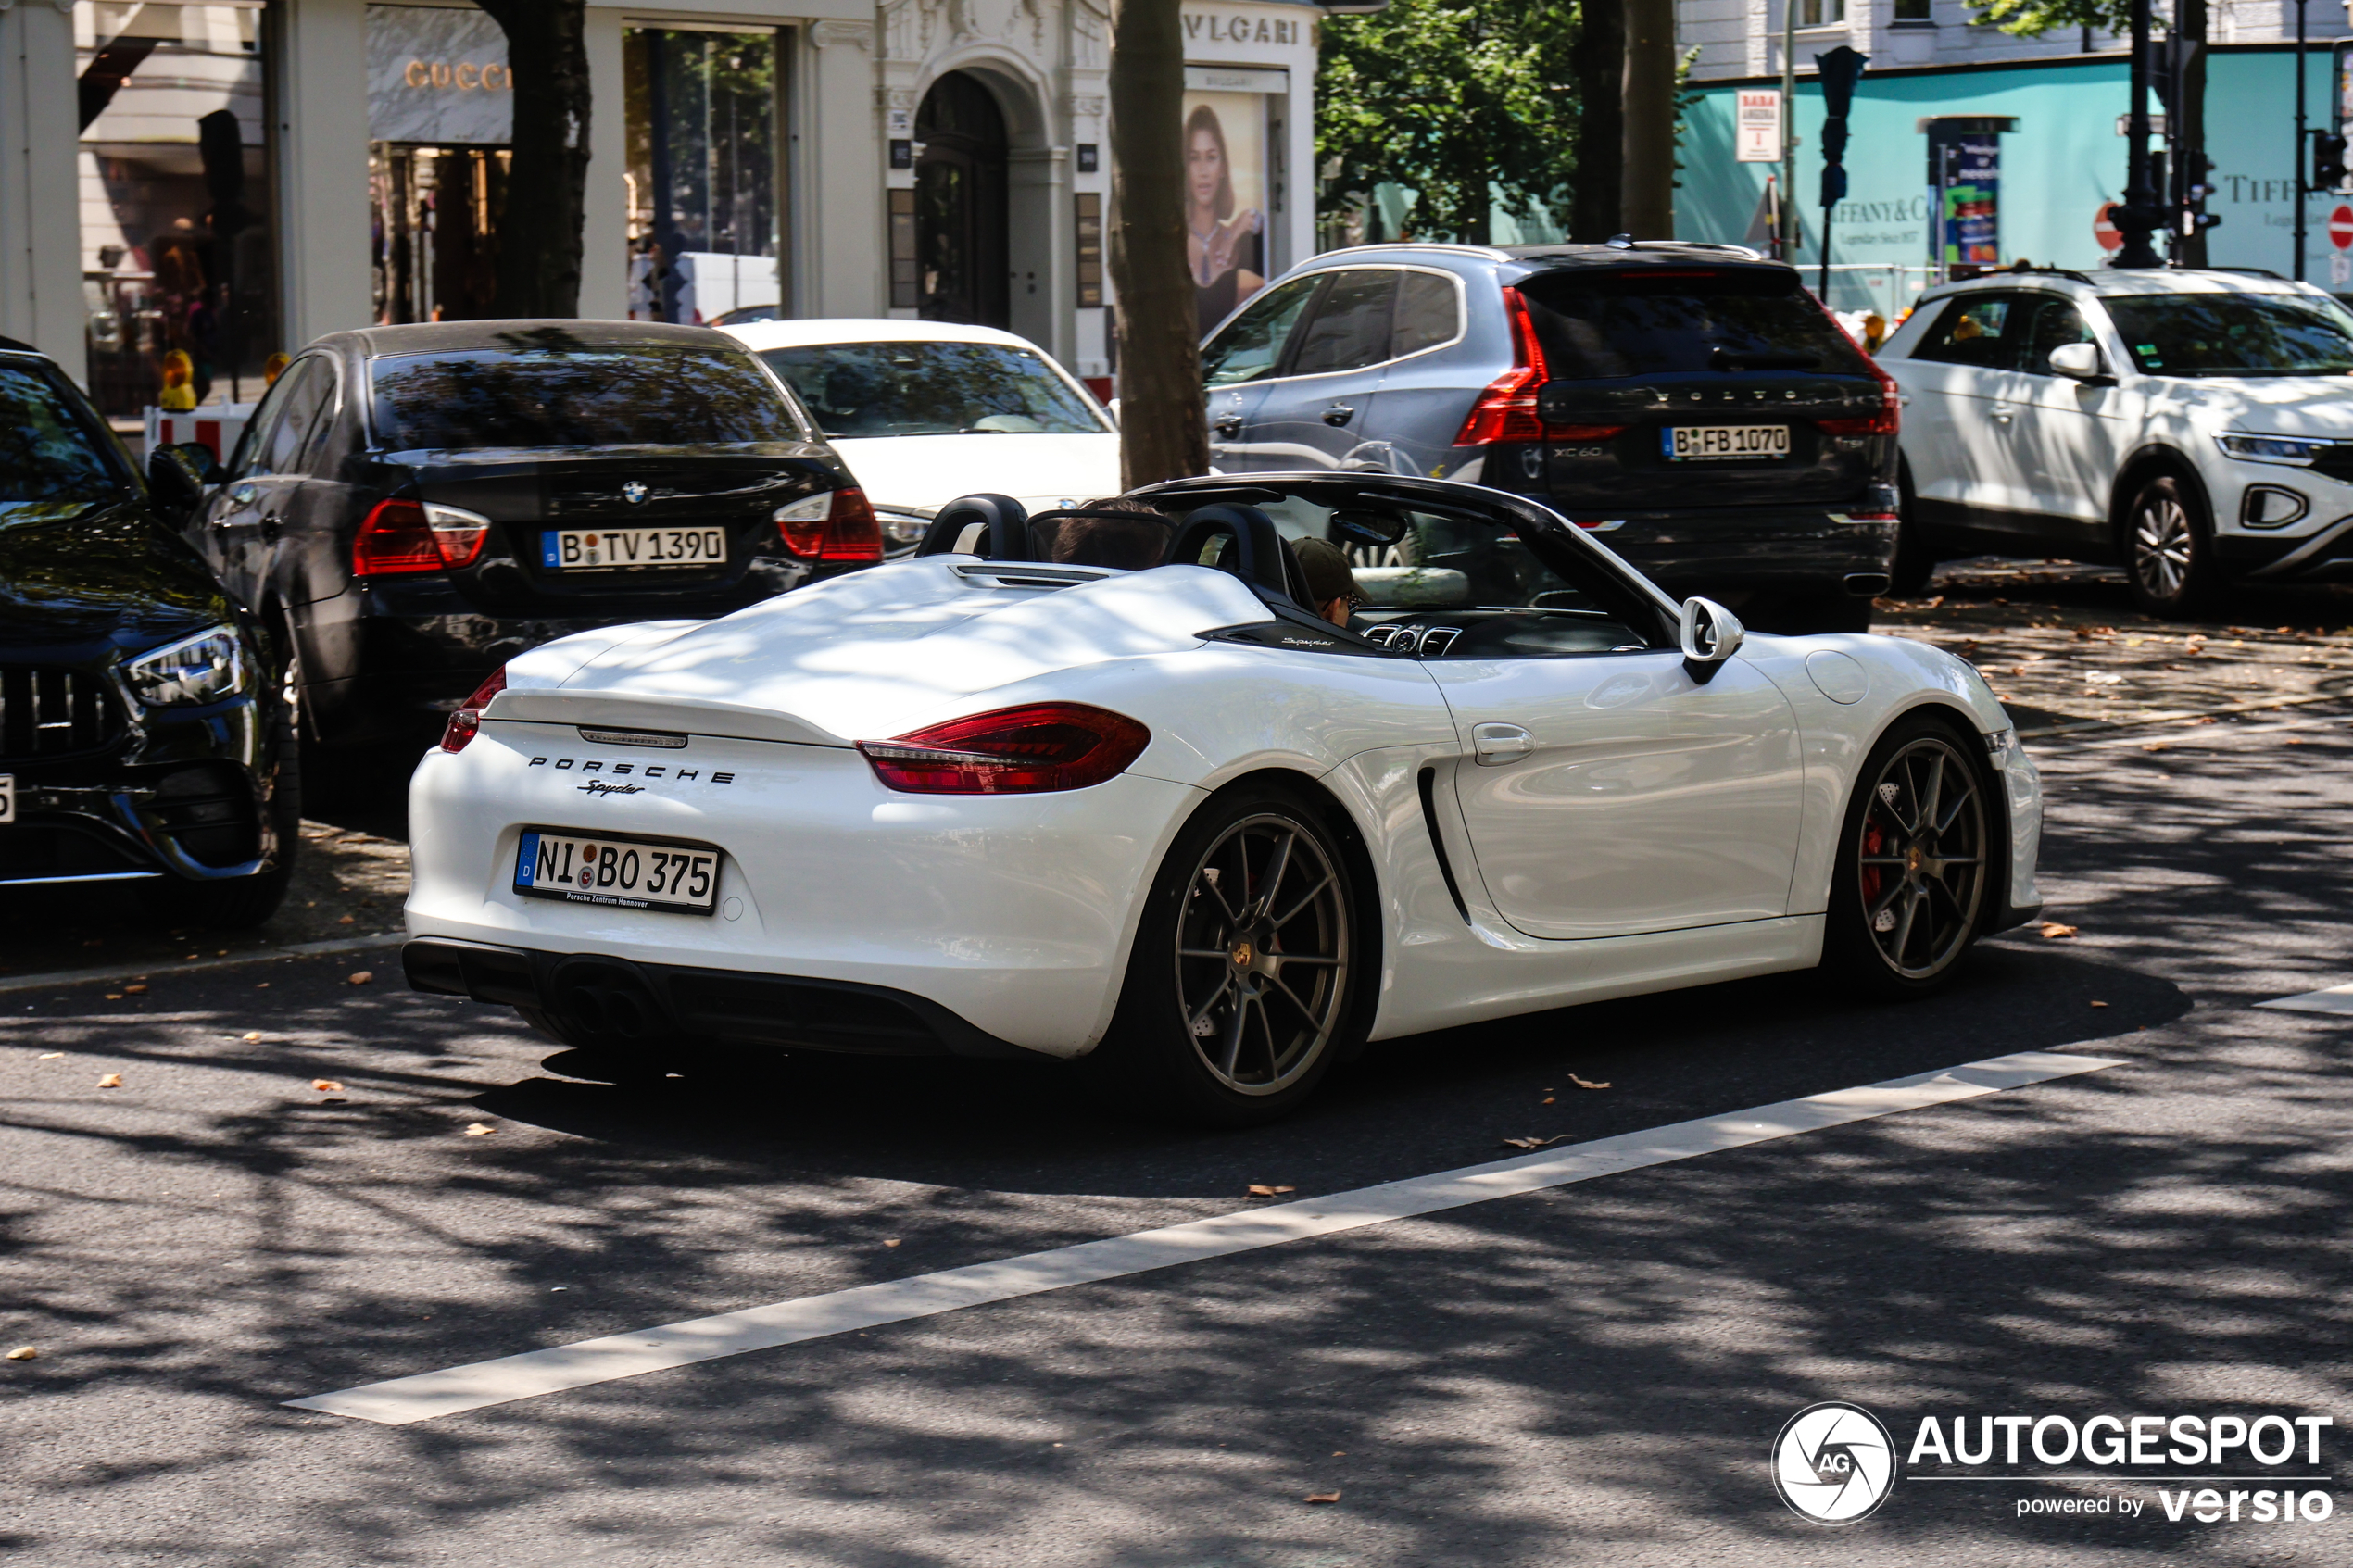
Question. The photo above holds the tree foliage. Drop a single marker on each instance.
(1461, 101)
(2032, 18)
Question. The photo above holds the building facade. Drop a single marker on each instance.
(2037, 121)
(228, 179)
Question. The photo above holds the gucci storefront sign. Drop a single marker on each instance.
(437, 76)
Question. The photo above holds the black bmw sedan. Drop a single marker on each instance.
(143, 735)
(413, 505)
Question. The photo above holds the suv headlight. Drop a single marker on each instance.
(2272, 448)
(198, 670)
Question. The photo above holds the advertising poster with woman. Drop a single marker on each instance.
(1224, 200)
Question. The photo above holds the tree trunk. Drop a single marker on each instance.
(539, 241)
(1646, 201)
(1600, 58)
(1163, 430)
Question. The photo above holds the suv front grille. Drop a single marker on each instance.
(54, 713)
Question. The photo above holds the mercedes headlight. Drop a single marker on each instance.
(198, 670)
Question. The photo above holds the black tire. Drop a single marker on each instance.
(1235, 1005)
(1914, 560)
(241, 903)
(2168, 547)
(1908, 897)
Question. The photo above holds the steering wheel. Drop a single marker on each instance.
(1004, 528)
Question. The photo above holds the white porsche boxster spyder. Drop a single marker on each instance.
(1172, 825)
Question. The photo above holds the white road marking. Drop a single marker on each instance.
(2336, 998)
(455, 1389)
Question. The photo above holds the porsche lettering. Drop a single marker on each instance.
(595, 765)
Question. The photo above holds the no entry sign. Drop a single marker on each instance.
(2104, 228)
(2341, 227)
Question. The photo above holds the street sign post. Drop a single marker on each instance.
(1757, 132)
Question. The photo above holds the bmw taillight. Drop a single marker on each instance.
(1506, 410)
(838, 526)
(466, 723)
(1029, 750)
(403, 536)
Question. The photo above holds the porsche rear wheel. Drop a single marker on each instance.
(1243, 981)
(1909, 892)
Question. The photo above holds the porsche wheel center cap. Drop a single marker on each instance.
(1242, 954)
(1915, 858)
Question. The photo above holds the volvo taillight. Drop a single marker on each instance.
(1506, 410)
(466, 723)
(1029, 750)
(403, 536)
(1888, 420)
(838, 526)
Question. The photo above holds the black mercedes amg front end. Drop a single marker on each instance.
(142, 730)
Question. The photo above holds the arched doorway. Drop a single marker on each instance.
(959, 204)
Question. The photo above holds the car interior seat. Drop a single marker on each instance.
(992, 527)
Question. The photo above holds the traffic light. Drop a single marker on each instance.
(2328, 160)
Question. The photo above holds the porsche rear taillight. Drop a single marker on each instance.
(839, 526)
(1506, 410)
(1028, 751)
(403, 536)
(466, 723)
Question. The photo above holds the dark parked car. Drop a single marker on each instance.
(414, 506)
(143, 735)
(1691, 402)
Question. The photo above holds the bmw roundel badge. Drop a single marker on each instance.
(633, 492)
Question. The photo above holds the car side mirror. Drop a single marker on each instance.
(177, 476)
(2080, 362)
(1709, 634)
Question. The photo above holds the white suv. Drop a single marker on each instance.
(2190, 426)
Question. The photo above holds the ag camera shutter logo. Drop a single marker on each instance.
(1833, 1463)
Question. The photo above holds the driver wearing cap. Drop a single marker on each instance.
(1331, 585)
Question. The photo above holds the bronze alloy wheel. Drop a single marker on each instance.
(1920, 858)
(1263, 949)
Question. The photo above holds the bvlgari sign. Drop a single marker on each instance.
(438, 76)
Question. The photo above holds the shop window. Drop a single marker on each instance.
(440, 116)
(1912, 11)
(703, 178)
(178, 240)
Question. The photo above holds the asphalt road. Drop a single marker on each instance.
(1589, 1374)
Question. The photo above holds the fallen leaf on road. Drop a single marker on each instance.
(2204, 718)
(114, 996)
(1533, 1143)
(2293, 740)
(1323, 1497)
(478, 1129)
(1256, 1190)
(2053, 931)
(251, 1037)
(326, 1086)
(346, 919)
(2099, 1003)
(24, 1353)
(2154, 745)
(111, 1081)
(1340, 1454)
(892, 1243)
(1585, 1082)
(51, 1056)
(133, 990)
(1549, 1099)
(361, 977)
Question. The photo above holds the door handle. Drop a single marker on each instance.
(1498, 744)
(1339, 414)
(1227, 425)
(2002, 412)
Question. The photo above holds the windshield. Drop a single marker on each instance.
(2234, 335)
(859, 389)
(47, 452)
(655, 394)
(1600, 326)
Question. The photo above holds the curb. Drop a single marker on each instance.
(145, 972)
